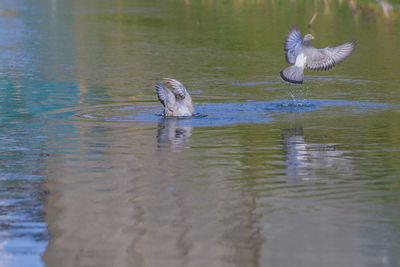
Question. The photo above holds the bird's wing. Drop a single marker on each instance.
(328, 57)
(178, 89)
(165, 96)
(293, 39)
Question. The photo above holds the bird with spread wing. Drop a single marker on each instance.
(176, 102)
(303, 55)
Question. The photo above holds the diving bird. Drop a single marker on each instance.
(176, 102)
(303, 55)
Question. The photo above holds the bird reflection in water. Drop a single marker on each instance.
(303, 160)
(295, 151)
(173, 133)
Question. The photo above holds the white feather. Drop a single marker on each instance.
(183, 111)
(300, 60)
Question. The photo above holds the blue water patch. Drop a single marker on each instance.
(221, 114)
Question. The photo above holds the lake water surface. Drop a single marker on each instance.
(266, 174)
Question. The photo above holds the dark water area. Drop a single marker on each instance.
(265, 174)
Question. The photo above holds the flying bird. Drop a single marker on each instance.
(303, 55)
(176, 102)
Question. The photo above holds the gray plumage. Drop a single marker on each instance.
(303, 55)
(176, 102)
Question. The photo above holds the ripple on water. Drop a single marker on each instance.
(254, 83)
(221, 114)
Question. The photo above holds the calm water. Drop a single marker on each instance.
(266, 174)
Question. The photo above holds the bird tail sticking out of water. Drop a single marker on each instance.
(293, 74)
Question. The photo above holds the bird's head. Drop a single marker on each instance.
(308, 37)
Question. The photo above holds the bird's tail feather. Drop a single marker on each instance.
(293, 74)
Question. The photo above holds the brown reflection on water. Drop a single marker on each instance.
(96, 217)
(147, 207)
